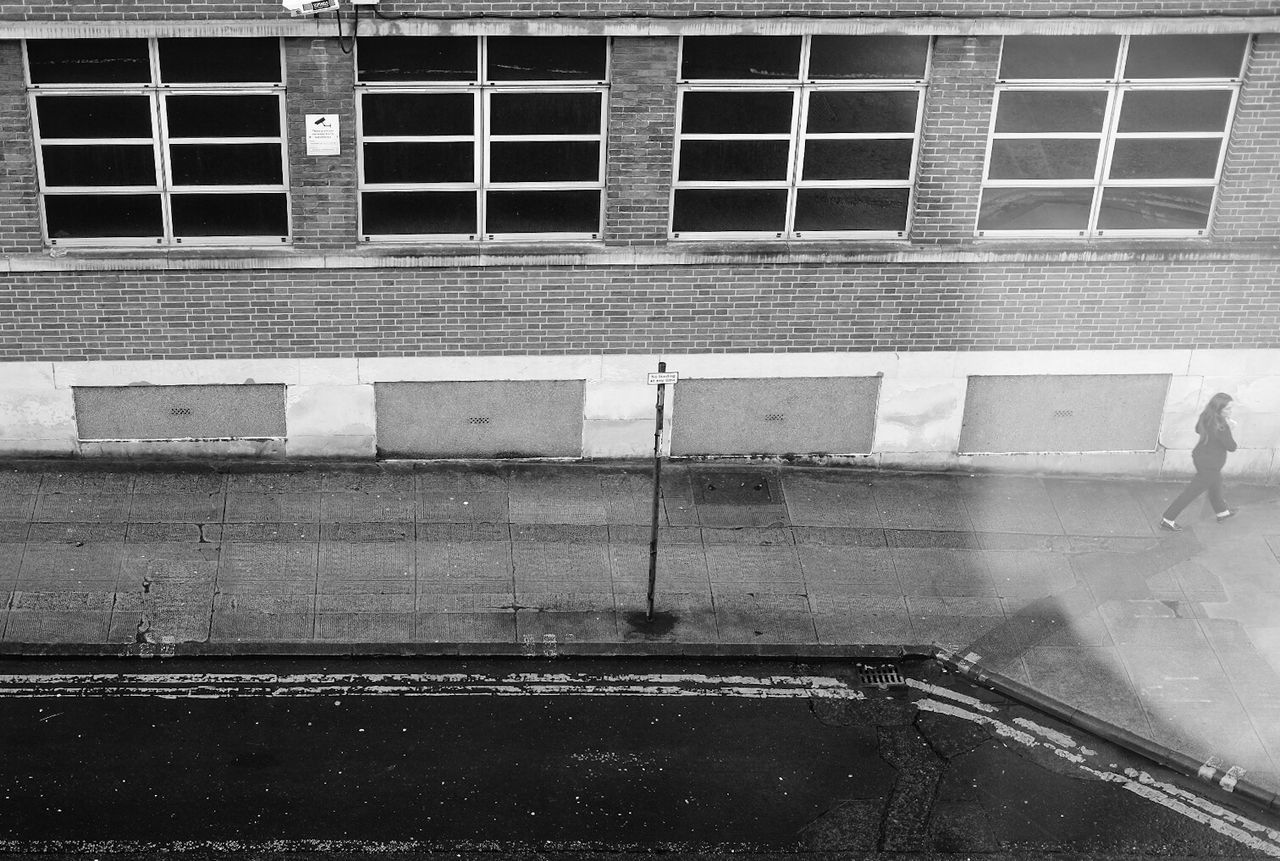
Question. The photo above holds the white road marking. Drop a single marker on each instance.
(216, 685)
(1188, 804)
(947, 693)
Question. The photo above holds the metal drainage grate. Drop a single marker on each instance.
(774, 417)
(1063, 414)
(881, 677)
(734, 488)
(180, 411)
(478, 420)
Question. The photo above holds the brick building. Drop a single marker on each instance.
(981, 234)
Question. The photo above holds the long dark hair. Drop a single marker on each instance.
(1211, 417)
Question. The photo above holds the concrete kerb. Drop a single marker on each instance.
(1226, 778)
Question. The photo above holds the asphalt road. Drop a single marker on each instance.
(566, 757)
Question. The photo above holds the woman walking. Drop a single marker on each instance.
(1209, 456)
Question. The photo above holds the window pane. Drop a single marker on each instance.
(1044, 159)
(419, 212)
(1051, 111)
(226, 164)
(833, 111)
(1035, 208)
(1186, 56)
(1155, 208)
(740, 58)
(1165, 158)
(94, 116)
(853, 57)
(410, 114)
(230, 215)
(852, 208)
(709, 210)
(857, 159)
(223, 116)
(100, 164)
(734, 160)
(210, 60)
(543, 212)
(736, 113)
(1059, 57)
(88, 61)
(416, 58)
(544, 161)
(544, 113)
(102, 216)
(419, 162)
(1175, 110)
(546, 58)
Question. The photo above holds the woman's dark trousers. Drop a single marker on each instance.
(1206, 480)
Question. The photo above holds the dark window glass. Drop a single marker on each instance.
(409, 114)
(1051, 111)
(546, 58)
(223, 116)
(713, 210)
(402, 213)
(1059, 57)
(1165, 158)
(852, 209)
(211, 60)
(230, 215)
(94, 116)
(1155, 208)
(88, 61)
(734, 160)
(103, 216)
(1185, 56)
(857, 159)
(543, 212)
(544, 113)
(1044, 159)
(861, 57)
(1174, 111)
(1035, 209)
(416, 58)
(833, 111)
(100, 164)
(226, 164)
(419, 162)
(740, 58)
(544, 161)
(737, 113)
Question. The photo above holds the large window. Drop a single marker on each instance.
(1109, 135)
(797, 136)
(465, 138)
(159, 141)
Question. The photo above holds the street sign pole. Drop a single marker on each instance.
(657, 488)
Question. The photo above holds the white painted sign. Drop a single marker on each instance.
(663, 378)
(322, 135)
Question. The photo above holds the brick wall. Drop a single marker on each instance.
(19, 195)
(1249, 194)
(320, 79)
(495, 310)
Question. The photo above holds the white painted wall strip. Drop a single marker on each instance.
(214, 685)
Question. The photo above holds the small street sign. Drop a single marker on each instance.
(664, 378)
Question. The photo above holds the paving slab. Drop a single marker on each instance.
(848, 571)
(367, 507)
(464, 627)
(754, 568)
(678, 617)
(17, 506)
(817, 499)
(1098, 508)
(921, 502)
(679, 568)
(272, 507)
(177, 507)
(764, 618)
(464, 506)
(1010, 504)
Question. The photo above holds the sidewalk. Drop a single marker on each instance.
(1063, 585)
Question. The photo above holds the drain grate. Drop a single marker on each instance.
(735, 488)
(881, 677)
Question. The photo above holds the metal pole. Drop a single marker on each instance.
(657, 486)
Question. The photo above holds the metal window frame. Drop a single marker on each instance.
(482, 89)
(157, 91)
(803, 86)
(1117, 87)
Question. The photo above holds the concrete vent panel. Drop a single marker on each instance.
(802, 415)
(1063, 413)
(497, 418)
(179, 412)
